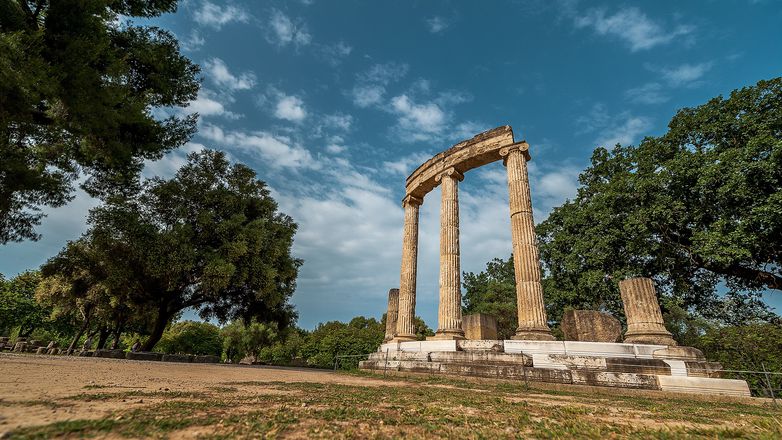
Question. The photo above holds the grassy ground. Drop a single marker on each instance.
(418, 407)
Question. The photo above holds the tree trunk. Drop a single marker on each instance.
(161, 321)
(117, 334)
(76, 338)
(104, 336)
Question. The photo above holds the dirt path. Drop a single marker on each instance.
(27, 382)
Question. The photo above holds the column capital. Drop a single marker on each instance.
(411, 200)
(452, 172)
(522, 146)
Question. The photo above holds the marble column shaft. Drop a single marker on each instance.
(645, 323)
(526, 263)
(405, 325)
(392, 314)
(449, 316)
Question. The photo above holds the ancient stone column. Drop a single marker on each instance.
(405, 325)
(644, 318)
(391, 315)
(526, 264)
(449, 315)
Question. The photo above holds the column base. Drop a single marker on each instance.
(446, 335)
(651, 337)
(404, 338)
(533, 335)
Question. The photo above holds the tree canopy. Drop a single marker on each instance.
(79, 89)
(697, 208)
(210, 239)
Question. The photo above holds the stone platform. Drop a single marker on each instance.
(653, 367)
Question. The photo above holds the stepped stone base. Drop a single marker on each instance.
(652, 367)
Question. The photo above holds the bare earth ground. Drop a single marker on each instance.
(44, 397)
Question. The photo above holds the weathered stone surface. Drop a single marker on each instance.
(177, 358)
(143, 356)
(684, 353)
(206, 359)
(480, 344)
(53, 351)
(526, 264)
(86, 353)
(392, 314)
(644, 318)
(449, 315)
(112, 354)
(479, 326)
(20, 347)
(405, 325)
(590, 326)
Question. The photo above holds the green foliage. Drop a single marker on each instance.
(493, 292)
(18, 308)
(78, 90)
(358, 337)
(749, 347)
(209, 239)
(697, 206)
(190, 337)
(421, 330)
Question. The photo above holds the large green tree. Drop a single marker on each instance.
(210, 239)
(493, 292)
(696, 208)
(78, 93)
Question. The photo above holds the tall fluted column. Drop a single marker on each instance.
(529, 292)
(405, 325)
(449, 316)
(644, 318)
(392, 314)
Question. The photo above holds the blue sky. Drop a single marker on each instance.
(334, 103)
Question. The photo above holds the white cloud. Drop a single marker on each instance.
(218, 72)
(468, 129)
(290, 108)
(406, 164)
(207, 105)
(169, 164)
(284, 31)
(632, 26)
(335, 53)
(193, 41)
(384, 73)
(365, 96)
(623, 128)
(216, 16)
(627, 132)
(335, 148)
(437, 24)
(279, 151)
(649, 93)
(418, 121)
(338, 121)
(685, 74)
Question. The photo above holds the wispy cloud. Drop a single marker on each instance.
(335, 53)
(367, 95)
(649, 93)
(217, 16)
(284, 31)
(278, 151)
(208, 104)
(193, 41)
(418, 121)
(384, 73)
(632, 26)
(218, 72)
(437, 24)
(290, 108)
(685, 74)
(623, 128)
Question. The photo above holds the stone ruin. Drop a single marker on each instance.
(648, 358)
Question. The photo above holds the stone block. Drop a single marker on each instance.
(605, 349)
(704, 385)
(86, 353)
(40, 350)
(20, 347)
(703, 369)
(612, 379)
(480, 345)
(638, 366)
(53, 351)
(479, 326)
(206, 359)
(177, 358)
(111, 354)
(590, 326)
(529, 347)
(143, 356)
(682, 353)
